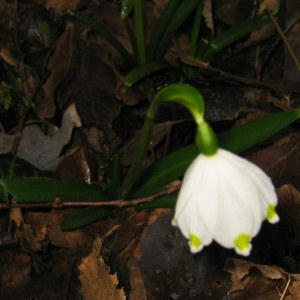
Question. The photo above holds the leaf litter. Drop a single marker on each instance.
(138, 254)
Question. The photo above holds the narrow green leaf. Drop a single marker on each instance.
(86, 216)
(236, 140)
(181, 14)
(160, 26)
(196, 29)
(103, 32)
(141, 72)
(139, 30)
(232, 35)
(29, 190)
(167, 201)
(241, 138)
(4, 196)
(127, 6)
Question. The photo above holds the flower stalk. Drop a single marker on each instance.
(181, 93)
(223, 196)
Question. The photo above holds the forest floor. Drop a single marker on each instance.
(49, 61)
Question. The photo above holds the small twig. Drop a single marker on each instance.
(286, 288)
(58, 202)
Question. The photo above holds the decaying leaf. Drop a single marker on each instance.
(96, 281)
(160, 131)
(77, 165)
(43, 151)
(208, 15)
(281, 160)
(6, 143)
(16, 216)
(47, 225)
(61, 7)
(60, 66)
(14, 270)
(250, 280)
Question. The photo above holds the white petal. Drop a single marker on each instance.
(229, 201)
(226, 198)
(189, 223)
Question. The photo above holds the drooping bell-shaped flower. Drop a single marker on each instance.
(224, 198)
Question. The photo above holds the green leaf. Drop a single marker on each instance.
(86, 216)
(103, 32)
(127, 6)
(236, 140)
(4, 195)
(232, 35)
(141, 72)
(29, 190)
(12, 166)
(184, 9)
(160, 26)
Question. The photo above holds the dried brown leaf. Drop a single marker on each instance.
(60, 65)
(250, 280)
(281, 160)
(49, 222)
(77, 165)
(208, 16)
(16, 216)
(160, 131)
(294, 288)
(62, 6)
(96, 280)
(14, 270)
(137, 285)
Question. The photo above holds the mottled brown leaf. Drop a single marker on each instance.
(208, 16)
(159, 132)
(96, 281)
(42, 222)
(60, 6)
(59, 66)
(254, 281)
(281, 160)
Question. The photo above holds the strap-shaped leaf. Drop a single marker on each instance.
(86, 216)
(127, 6)
(183, 10)
(232, 35)
(160, 26)
(236, 140)
(30, 190)
(103, 32)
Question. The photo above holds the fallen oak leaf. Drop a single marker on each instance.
(250, 280)
(96, 280)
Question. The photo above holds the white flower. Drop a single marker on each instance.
(224, 198)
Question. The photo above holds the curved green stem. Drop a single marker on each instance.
(206, 139)
(181, 93)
